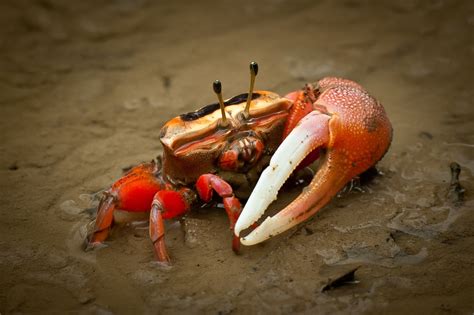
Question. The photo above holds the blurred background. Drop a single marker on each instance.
(86, 85)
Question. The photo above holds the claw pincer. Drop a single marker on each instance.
(350, 131)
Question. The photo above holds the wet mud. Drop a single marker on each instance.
(86, 85)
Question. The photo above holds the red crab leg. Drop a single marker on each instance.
(132, 192)
(103, 221)
(205, 186)
(166, 204)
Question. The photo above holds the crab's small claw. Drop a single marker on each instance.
(351, 130)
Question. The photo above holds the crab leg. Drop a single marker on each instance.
(135, 192)
(205, 186)
(157, 231)
(166, 204)
(103, 221)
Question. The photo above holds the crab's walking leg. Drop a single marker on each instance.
(166, 204)
(133, 192)
(103, 221)
(157, 231)
(205, 186)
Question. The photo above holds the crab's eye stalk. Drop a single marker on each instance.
(253, 74)
(217, 86)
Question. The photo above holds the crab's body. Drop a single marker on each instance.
(196, 143)
(204, 151)
(199, 156)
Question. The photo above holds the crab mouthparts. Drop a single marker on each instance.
(296, 146)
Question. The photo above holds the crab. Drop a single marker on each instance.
(255, 139)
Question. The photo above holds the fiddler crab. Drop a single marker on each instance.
(255, 139)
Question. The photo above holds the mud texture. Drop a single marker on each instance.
(86, 85)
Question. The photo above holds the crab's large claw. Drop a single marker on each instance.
(351, 130)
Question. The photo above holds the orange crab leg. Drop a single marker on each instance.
(103, 221)
(166, 204)
(205, 186)
(132, 192)
(157, 232)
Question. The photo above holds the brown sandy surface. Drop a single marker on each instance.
(85, 87)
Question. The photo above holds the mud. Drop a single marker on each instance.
(85, 87)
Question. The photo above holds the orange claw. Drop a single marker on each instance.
(353, 130)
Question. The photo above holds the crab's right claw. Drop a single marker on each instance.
(351, 130)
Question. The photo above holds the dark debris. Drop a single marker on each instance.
(13, 167)
(346, 278)
(425, 135)
(455, 191)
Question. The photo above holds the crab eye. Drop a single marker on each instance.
(253, 74)
(217, 86)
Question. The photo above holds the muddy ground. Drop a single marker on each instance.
(86, 85)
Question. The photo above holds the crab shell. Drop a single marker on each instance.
(193, 142)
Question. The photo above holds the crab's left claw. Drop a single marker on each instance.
(351, 132)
